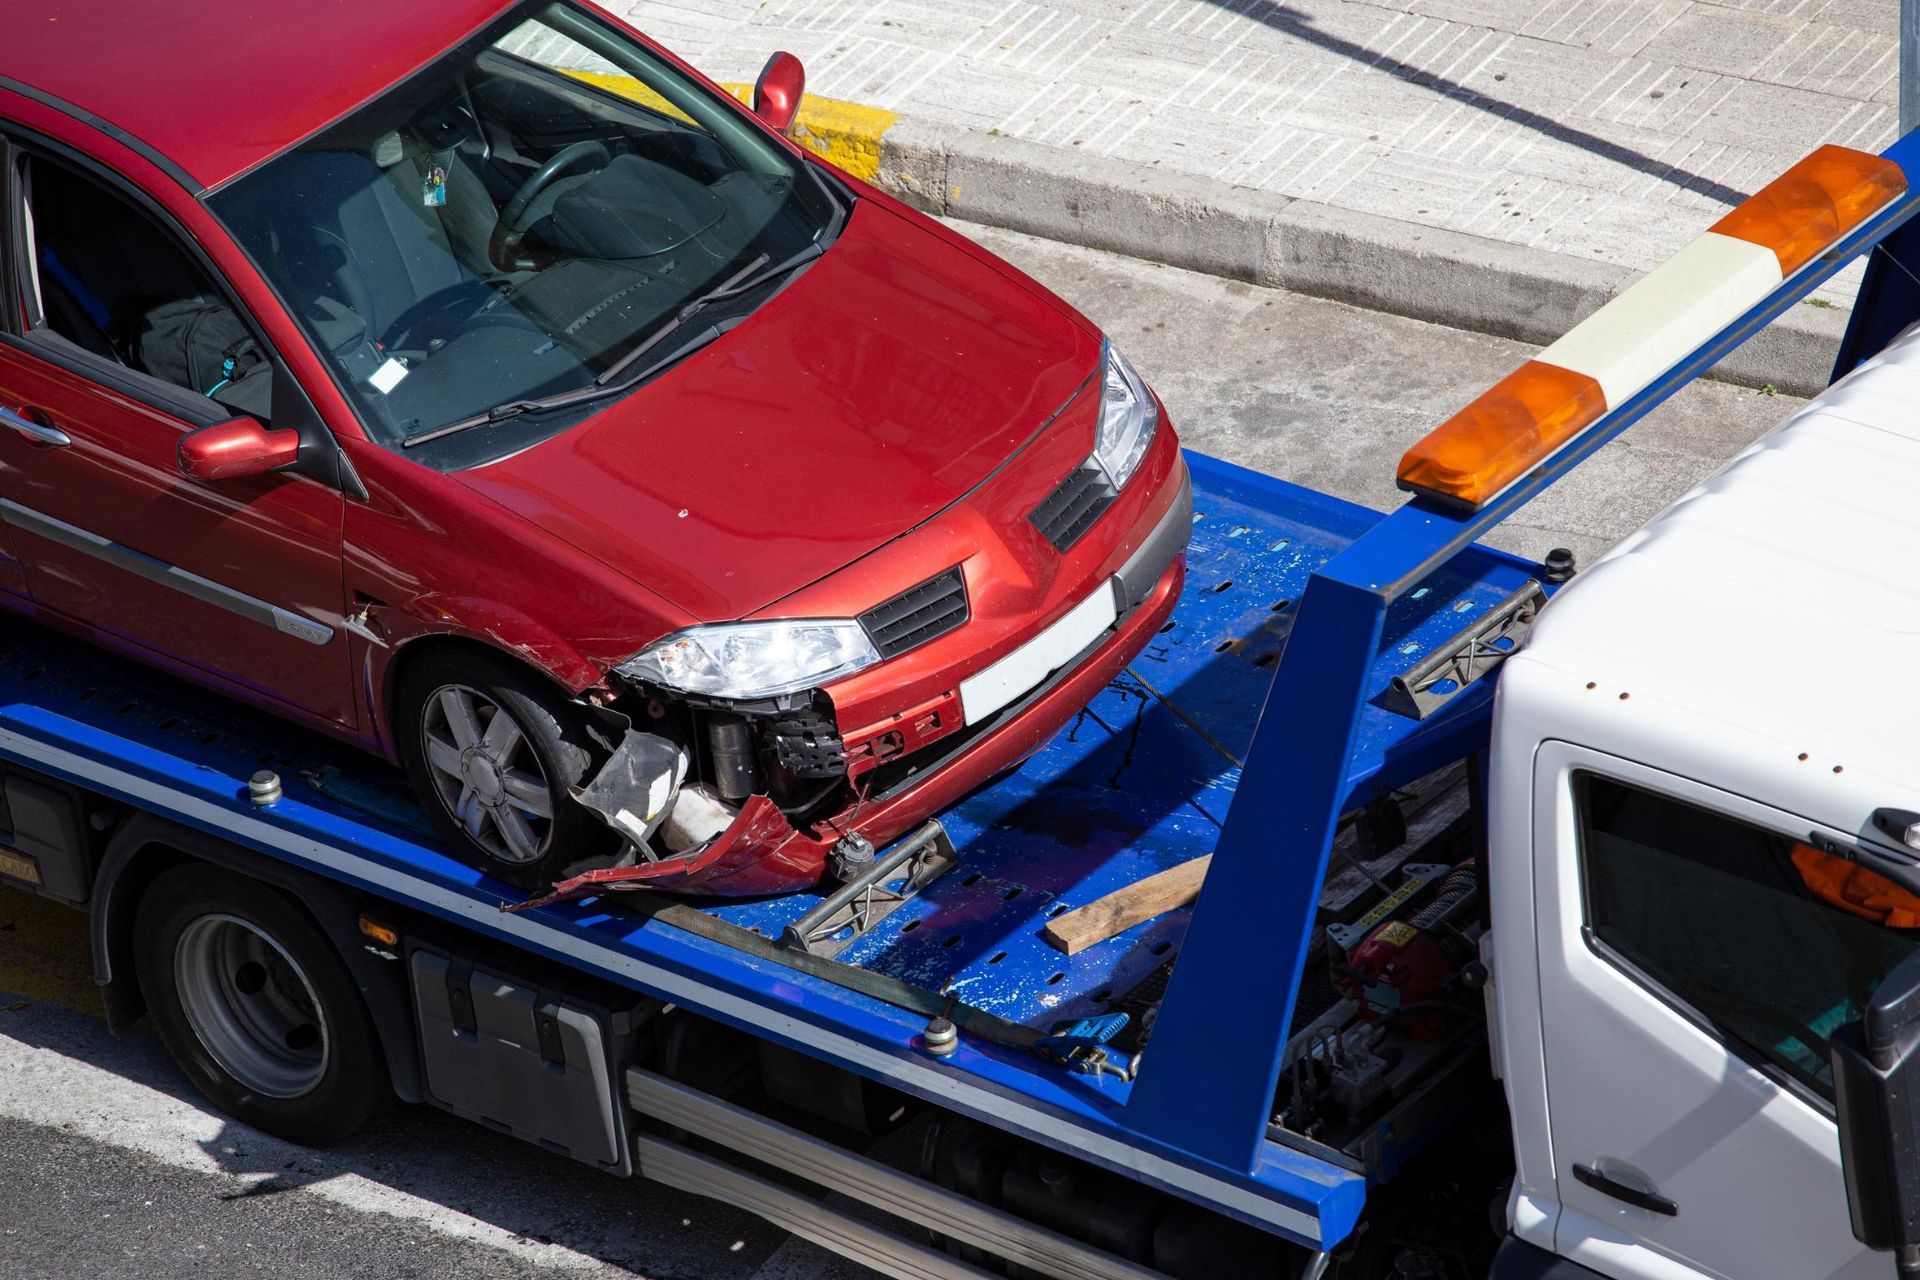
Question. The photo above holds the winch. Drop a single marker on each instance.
(1402, 963)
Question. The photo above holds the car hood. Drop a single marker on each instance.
(894, 375)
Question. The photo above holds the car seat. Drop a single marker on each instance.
(355, 255)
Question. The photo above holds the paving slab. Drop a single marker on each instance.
(1566, 132)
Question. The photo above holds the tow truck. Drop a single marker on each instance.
(1398, 874)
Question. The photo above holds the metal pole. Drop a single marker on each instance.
(1909, 66)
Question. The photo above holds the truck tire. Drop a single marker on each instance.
(256, 1006)
(479, 777)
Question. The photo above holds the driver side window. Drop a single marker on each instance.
(105, 277)
(1771, 942)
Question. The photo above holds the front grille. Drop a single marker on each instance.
(917, 614)
(1070, 510)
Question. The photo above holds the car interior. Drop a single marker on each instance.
(505, 229)
(111, 281)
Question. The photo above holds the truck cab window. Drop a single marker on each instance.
(110, 280)
(1770, 942)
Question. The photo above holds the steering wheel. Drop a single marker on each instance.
(503, 247)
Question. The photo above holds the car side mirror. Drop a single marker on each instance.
(235, 448)
(1876, 1079)
(777, 93)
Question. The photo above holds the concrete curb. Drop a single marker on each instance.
(1532, 295)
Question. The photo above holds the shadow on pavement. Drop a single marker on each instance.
(1292, 22)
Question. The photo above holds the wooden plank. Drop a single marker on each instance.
(1124, 908)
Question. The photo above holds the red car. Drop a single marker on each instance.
(476, 382)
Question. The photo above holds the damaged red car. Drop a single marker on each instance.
(476, 382)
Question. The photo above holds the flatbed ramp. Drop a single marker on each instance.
(1139, 783)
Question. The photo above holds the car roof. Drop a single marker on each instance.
(1782, 595)
(216, 86)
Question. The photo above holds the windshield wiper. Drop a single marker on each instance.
(511, 409)
(732, 287)
(742, 281)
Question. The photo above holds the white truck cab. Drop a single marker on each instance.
(1696, 722)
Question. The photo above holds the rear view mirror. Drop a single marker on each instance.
(235, 448)
(777, 93)
(1876, 1078)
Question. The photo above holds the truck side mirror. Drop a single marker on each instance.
(777, 93)
(1876, 1079)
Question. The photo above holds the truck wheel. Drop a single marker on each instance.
(256, 1007)
(494, 752)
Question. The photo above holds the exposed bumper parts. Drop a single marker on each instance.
(760, 852)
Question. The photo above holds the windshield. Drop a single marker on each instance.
(524, 226)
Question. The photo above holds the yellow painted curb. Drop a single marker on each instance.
(844, 134)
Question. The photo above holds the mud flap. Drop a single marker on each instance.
(634, 790)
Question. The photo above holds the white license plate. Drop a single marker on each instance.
(986, 692)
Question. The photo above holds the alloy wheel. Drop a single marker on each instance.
(487, 774)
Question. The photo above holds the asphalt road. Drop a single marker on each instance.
(110, 1168)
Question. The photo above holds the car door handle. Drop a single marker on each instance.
(38, 431)
(1634, 1196)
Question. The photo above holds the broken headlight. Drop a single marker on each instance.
(742, 660)
(1128, 417)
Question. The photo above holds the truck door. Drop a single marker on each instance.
(1689, 980)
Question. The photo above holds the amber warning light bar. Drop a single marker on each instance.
(1613, 354)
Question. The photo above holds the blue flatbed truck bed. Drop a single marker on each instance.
(1139, 783)
(1207, 745)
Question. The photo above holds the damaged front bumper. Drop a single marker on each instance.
(760, 852)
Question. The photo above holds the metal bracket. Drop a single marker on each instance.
(1486, 643)
(1418, 876)
(1082, 1047)
(890, 880)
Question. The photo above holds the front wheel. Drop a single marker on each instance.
(494, 754)
(256, 1006)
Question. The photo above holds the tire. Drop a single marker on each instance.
(256, 1006)
(488, 809)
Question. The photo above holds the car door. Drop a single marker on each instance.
(1689, 977)
(235, 582)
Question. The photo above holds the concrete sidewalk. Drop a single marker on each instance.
(1501, 164)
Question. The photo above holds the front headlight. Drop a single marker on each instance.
(1128, 416)
(754, 659)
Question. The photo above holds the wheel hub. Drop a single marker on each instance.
(480, 771)
(251, 1006)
